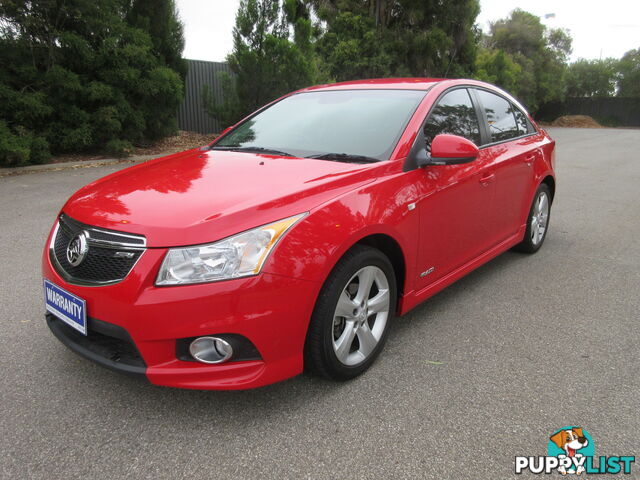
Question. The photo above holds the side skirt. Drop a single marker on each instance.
(413, 299)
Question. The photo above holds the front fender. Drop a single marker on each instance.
(314, 246)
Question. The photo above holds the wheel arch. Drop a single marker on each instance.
(393, 251)
(550, 182)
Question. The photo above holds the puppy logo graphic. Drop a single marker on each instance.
(571, 451)
(571, 441)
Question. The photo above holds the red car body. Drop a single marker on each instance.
(193, 198)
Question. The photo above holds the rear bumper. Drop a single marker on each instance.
(270, 311)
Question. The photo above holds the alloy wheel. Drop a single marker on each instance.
(361, 315)
(539, 218)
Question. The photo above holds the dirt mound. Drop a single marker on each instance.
(579, 121)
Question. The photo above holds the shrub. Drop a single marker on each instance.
(119, 148)
(21, 148)
(99, 78)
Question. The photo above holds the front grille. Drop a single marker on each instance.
(110, 256)
(102, 235)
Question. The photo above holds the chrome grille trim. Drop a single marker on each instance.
(100, 267)
(140, 241)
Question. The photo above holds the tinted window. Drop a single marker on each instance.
(454, 114)
(355, 122)
(500, 115)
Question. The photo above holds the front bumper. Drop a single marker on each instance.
(271, 311)
(106, 344)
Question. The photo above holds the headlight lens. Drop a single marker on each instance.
(241, 255)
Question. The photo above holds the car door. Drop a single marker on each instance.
(454, 199)
(512, 149)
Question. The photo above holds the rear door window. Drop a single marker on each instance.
(501, 117)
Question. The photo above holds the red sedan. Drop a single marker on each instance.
(292, 241)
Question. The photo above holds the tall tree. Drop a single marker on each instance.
(629, 71)
(539, 51)
(499, 68)
(592, 78)
(159, 18)
(352, 48)
(265, 62)
(370, 38)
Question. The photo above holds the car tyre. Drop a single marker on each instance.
(537, 221)
(351, 318)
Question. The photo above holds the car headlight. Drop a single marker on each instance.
(241, 255)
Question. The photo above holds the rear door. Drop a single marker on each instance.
(511, 146)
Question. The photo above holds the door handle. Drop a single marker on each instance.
(487, 179)
(529, 159)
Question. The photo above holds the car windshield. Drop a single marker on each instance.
(342, 125)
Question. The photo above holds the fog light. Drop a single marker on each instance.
(210, 350)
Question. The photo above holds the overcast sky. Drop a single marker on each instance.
(599, 29)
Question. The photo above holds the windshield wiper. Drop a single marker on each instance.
(268, 151)
(345, 157)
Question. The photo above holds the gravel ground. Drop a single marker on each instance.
(482, 372)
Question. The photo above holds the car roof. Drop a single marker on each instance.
(380, 83)
(409, 84)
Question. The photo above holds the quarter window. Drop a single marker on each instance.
(454, 114)
(500, 117)
(524, 125)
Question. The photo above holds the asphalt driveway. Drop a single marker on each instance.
(484, 371)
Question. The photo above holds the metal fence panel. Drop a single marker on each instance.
(191, 115)
(613, 111)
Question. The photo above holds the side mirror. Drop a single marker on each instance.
(452, 150)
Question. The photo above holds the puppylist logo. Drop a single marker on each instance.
(571, 451)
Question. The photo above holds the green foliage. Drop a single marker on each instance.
(352, 48)
(629, 70)
(84, 75)
(283, 47)
(265, 62)
(540, 52)
(118, 148)
(592, 78)
(21, 147)
(499, 68)
(159, 18)
(381, 38)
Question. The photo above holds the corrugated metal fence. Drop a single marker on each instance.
(610, 111)
(191, 115)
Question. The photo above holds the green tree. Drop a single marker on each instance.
(592, 78)
(353, 48)
(542, 54)
(265, 62)
(159, 18)
(629, 71)
(379, 38)
(77, 76)
(499, 68)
